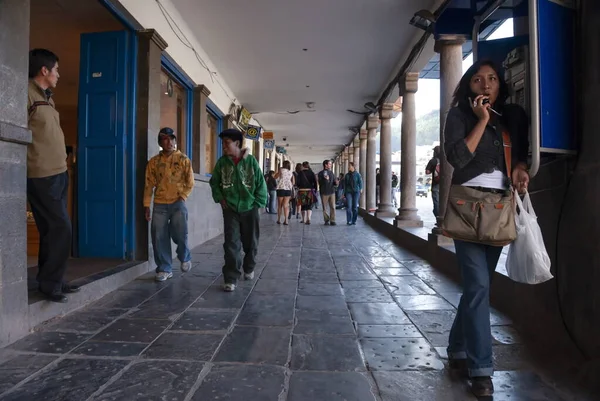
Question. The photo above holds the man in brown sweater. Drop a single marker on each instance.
(47, 177)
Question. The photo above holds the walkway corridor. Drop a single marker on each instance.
(337, 313)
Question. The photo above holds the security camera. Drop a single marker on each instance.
(284, 138)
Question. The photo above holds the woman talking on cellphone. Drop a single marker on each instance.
(479, 128)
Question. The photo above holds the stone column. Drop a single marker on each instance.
(450, 49)
(200, 129)
(356, 156)
(351, 153)
(407, 214)
(363, 165)
(385, 207)
(372, 125)
(346, 159)
(14, 138)
(150, 48)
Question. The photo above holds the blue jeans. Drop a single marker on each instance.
(169, 221)
(352, 199)
(272, 202)
(471, 335)
(435, 195)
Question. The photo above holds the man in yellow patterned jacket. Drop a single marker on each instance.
(171, 177)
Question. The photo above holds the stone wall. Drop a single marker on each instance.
(14, 137)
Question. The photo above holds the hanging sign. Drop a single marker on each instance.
(252, 133)
(281, 150)
(268, 135)
(244, 119)
(269, 143)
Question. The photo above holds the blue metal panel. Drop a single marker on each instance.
(103, 121)
(557, 75)
(497, 50)
(130, 151)
(218, 114)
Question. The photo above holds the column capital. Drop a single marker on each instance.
(409, 83)
(363, 134)
(151, 34)
(448, 40)
(373, 122)
(202, 89)
(356, 142)
(387, 111)
(228, 121)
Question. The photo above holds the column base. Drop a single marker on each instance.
(408, 217)
(439, 239)
(385, 210)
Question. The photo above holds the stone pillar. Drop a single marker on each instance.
(150, 48)
(351, 153)
(356, 155)
(346, 159)
(14, 138)
(407, 214)
(385, 207)
(450, 49)
(363, 165)
(372, 125)
(200, 129)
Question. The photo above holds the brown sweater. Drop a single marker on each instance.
(46, 154)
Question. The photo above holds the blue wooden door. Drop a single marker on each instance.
(102, 123)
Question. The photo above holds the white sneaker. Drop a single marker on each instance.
(229, 287)
(163, 276)
(249, 276)
(186, 266)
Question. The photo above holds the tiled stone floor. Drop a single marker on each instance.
(335, 314)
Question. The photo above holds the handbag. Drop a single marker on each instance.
(483, 217)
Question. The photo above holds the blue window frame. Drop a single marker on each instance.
(218, 114)
(183, 80)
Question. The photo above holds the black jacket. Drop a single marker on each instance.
(489, 154)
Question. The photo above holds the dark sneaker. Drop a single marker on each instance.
(482, 386)
(459, 366)
(333, 223)
(327, 223)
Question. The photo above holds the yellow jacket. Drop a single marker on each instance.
(171, 177)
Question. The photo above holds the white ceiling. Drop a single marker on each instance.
(354, 47)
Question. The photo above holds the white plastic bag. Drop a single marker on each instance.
(527, 261)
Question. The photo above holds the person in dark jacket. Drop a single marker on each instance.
(474, 147)
(353, 187)
(327, 184)
(307, 189)
(272, 192)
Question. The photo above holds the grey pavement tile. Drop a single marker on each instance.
(323, 289)
(124, 299)
(112, 349)
(330, 304)
(16, 368)
(338, 386)
(242, 383)
(70, 379)
(133, 330)
(433, 385)
(276, 286)
(415, 265)
(370, 283)
(185, 346)
(367, 295)
(388, 331)
(153, 380)
(522, 385)
(378, 313)
(280, 273)
(392, 271)
(49, 342)
(452, 297)
(384, 262)
(215, 297)
(164, 307)
(407, 285)
(438, 281)
(205, 320)
(86, 321)
(268, 310)
(269, 345)
(506, 335)
(435, 325)
(511, 357)
(193, 285)
(307, 278)
(318, 322)
(325, 353)
(423, 302)
(400, 354)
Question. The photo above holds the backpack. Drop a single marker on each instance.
(436, 173)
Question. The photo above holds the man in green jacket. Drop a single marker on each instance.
(238, 184)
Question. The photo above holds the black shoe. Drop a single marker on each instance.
(459, 366)
(482, 386)
(70, 289)
(55, 297)
(327, 223)
(333, 223)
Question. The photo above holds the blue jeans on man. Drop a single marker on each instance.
(471, 336)
(352, 199)
(435, 195)
(169, 221)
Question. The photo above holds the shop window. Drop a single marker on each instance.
(174, 110)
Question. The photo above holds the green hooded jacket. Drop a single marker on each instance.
(242, 186)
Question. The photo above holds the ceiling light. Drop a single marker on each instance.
(305, 50)
(423, 19)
